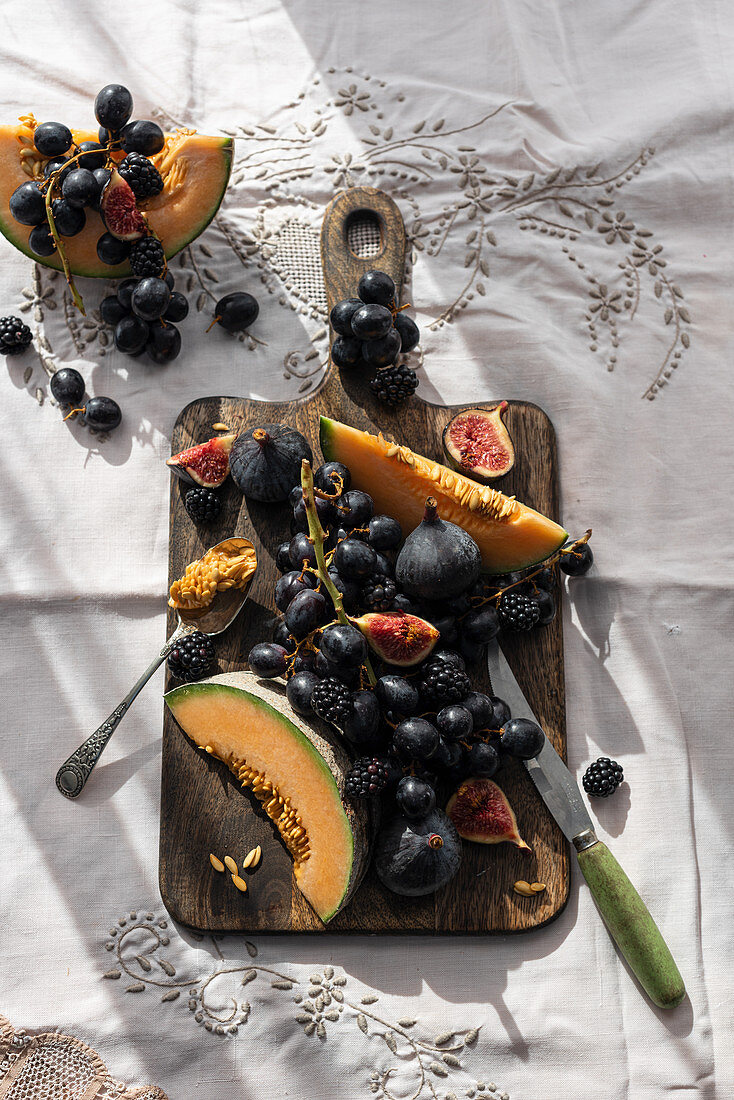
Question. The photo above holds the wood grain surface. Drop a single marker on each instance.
(203, 808)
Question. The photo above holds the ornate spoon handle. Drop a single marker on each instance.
(74, 772)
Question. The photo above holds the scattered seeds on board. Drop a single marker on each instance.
(230, 865)
(252, 858)
(524, 888)
(216, 863)
(240, 883)
(218, 427)
(537, 887)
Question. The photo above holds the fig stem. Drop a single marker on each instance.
(78, 302)
(260, 435)
(431, 511)
(435, 841)
(318, 537)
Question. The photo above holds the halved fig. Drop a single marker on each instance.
(480, 811)
(207, 464)
(119, 210)
(476, 442)
(397, 637)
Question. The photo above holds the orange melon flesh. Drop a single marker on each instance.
(509, 534)
(195, 170)
(236, 725)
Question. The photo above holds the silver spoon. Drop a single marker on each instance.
(213, 619)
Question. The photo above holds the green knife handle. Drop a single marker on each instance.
(630, 924)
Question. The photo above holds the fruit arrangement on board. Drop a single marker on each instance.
(396, 574)
(119, 201)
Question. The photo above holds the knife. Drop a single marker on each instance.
(623, 910)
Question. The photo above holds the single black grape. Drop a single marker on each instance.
(404, 603)
(324, 511)
(131, 335)
(301, 549)
(449, 754)
(376, 286)
(408, 332)
(522, 738)
(354, 559)
(52, 138)
(323, 479)
(304, 613)
(267, 660)
(547, 606)
(142, 136)
(283, 637)
(455, 722)
(344, 645)
(111, 309)
(363, 722)
(341, 315)
(111, 250)
(236, 312)
(415, 739)
(150, 298)
(415, 797)
(575, 563)
(546, 578)
(481, 709)
(346, 351)
(94, 155)
(27, 204)
(396, 694)
(69, 220)
(54, 166)
(164, 343)
(102, 414)
(355, 508)
(40, 240)
(350, 590)
(472, 652)
(177, 308)
(282, 557)
(480, 625)
(383, 351)
(370, 322)
(113, 106)
(103, 177)
(483, 759)
(67, 386)
(501, 713)
(385, 533)
(298, 691)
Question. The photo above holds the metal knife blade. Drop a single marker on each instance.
(553, 781)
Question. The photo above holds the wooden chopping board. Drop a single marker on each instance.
(203, 808)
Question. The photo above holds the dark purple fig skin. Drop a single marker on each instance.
(438, 558)
(406, 863)
(267, 466)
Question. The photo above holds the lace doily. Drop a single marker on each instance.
(50, 1066)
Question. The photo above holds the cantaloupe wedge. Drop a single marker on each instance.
(297, 770)
(509, 534)
(195, 170)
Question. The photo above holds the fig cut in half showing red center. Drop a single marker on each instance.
(476, 442)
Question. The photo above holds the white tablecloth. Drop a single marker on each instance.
(565, 173)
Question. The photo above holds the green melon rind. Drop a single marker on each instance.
(316, 738)
(327, 439)
(13, 232)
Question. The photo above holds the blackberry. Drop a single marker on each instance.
(331, 700)
(368, 775)
(141, 174)
(203, 505)
(393, 385)
(14, 336)
(602, 777)
(147, 257)
(378, 592)
(192, 658)
(518, 612)
(443, 683)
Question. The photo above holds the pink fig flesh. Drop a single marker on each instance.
(120, 211)
(401, 639)
(481, 812)
(206, 464)
(477, 443)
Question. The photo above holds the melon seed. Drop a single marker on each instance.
(216, 863)
(230, 864)
(252, 858)
(240, 883)
(523, 887)
(218, 427)
(537, 887)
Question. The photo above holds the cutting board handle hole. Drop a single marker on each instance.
(364, 231)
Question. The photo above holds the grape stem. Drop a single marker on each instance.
(78, 301)
(565, 550)
(317, 537)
